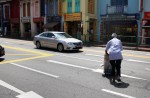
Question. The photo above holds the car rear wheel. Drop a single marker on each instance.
(38, 45)
(60, 47)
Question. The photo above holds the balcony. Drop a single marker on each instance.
(118, 9)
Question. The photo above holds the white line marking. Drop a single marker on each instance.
(79, 58)
(44, 73)
(30, 94)
(94, 70)
(94, 55)
(116, 93)
(66, 64)
(147, 69)
(4, 84)
(131, 60)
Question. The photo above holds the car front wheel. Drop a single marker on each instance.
(38, 45)
(60, 47)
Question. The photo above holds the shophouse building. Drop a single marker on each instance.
(15, 18)
(53, 15)
(145, 10)
(80, 19)
(38, 11)
(26, 23)
(121, 17)
(5, 17)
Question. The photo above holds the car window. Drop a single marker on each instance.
(49, 35)
(44, 34)
(63, 35)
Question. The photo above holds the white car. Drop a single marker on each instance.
(57, 40)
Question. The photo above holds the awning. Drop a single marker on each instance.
(51, 25)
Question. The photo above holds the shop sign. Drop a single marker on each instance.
(36, 20)
(73, 17)
(25, 19)
(68, 17)
(147, 15)
(14, 20)
(77, 16)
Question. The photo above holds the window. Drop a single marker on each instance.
(28, 9)
(6, 12)
(42, 7)
(44, 35)
(69, 9)
(36, 8)
(24, 10)
(51, 7)
(56, 7)
(50, 35)
(77, 5)
(91, 6)
(119, 2)
(60, 7)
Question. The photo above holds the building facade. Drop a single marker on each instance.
(26, 18)
(38, 11)
(121, 17)
(15, 18)
(5, 17)
(80, 19)
(145, 10)
(53, 15)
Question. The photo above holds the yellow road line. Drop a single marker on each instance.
(41, 55)
(26, 50)
(23, 59)
(20, 54)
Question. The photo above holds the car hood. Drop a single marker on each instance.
(71, 40)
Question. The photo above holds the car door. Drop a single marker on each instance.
(43, 39)
(52, 41)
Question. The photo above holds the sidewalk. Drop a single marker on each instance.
(140, 48)
(137, 48)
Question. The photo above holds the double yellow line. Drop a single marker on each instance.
(38, 53)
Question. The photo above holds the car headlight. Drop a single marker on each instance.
(70, 43)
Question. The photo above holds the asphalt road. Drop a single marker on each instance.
(27, 72)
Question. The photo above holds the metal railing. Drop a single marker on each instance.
(118, 9)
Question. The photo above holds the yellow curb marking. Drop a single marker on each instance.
(25, 59)
(131, 55)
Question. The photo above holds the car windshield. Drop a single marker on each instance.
(62, 35)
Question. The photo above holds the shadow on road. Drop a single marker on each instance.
(2, 59)
(66, 51)
(122, 84)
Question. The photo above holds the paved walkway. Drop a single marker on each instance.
(137, 48)
(140, 48)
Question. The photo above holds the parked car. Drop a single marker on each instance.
(57, 40)
(2, 51)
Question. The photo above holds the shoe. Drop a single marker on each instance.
(113, 79)
(119, 80)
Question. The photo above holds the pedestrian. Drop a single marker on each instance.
(91, 32)
(113, 49)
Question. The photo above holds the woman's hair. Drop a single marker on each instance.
(114, 35)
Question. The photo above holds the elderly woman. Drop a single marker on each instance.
(113, 49)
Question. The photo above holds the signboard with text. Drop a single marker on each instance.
(73, 17)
